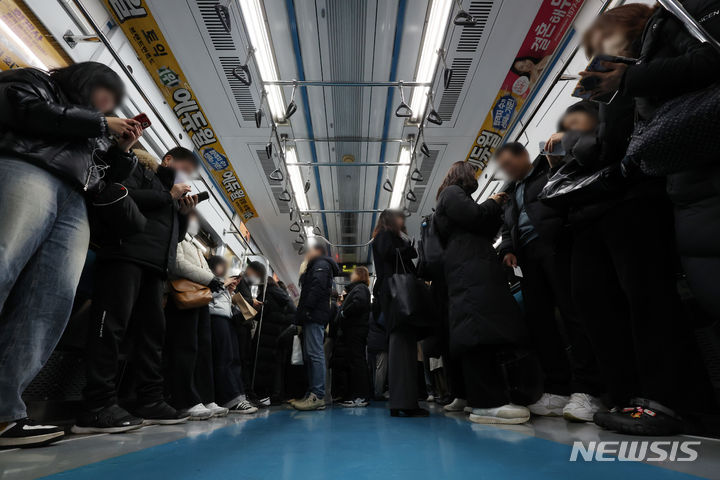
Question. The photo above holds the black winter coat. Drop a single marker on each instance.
(316, 288)
(548, 221)
(355, 310)
(605, 147)
(156, 246)
(385, 249)
(481, 310)
(38, 124)
(278, 314)
(672, 62)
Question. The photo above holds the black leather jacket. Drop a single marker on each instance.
(39, 125)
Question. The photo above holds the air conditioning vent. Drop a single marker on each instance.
(450, 96)
(426, 168)
(470, 37)
(221, 39)
(241, 92)
(276, 188)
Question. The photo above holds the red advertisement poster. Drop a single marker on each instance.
(553, 20)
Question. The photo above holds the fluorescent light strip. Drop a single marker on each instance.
(33, 60)
(296, 180)
(252, 11)
(432, 42)
(401, 174)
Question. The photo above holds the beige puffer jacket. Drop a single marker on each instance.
(190, 263)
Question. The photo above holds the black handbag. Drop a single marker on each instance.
(684, 133)
(572, 184)
(410, 299)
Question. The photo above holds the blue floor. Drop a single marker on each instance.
(360, 443)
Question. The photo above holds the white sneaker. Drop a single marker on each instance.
(582, 407)
(217, 410)
(507, 414)
(549, 405)
(263, 402)
(198, 412)
(430, 398)
(456, 405)
(467, 410)
(358, 402)
(244, 407)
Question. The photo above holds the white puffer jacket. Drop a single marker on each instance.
(190, 263)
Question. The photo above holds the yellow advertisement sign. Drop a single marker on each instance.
(143, 32)
(551, 23)
(24, 42)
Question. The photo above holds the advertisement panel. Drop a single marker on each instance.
(552, 21)
(144, 34)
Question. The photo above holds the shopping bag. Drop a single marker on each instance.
(296, 358)
(248, 312)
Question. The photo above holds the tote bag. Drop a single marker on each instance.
(410, 299)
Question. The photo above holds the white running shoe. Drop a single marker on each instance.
(198, 412)
(358, 402)
(549, 405)
(263, 402)
(244, 407)
(582, 407)
(217, 410)
(457, 405)
(430, 398)
(509, 414)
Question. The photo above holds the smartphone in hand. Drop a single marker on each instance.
(143, 120)
(585, 86)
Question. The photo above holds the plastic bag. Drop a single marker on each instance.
(296, 358)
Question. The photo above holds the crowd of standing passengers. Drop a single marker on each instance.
(602, 334)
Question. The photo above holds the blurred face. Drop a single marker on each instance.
(313, 253)
(514, 166)
(608, 40)
(180, 165)
(354, 277)
(252, 276)
(579, 122)
(525, 66)
(400, 221)
(103, 99)
(220, 270)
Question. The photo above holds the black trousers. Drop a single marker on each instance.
(125, 290)
(189, 351)
(227, 368)
(564, 350)
(624, 286)
(484, 383)
(403, 370)
(354, 340)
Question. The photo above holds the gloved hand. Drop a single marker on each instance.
(216, 284)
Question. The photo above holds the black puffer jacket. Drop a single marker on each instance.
(316, 287)
(385, 249)
(672, 62)
(606, 147)
(548, 221)
(481, 309)
(156, 246)
(355, 310)
(39, 124)
(278, 312)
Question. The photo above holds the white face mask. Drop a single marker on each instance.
(193, 227)
(253, 280)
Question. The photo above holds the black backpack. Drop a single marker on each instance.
(431, 250)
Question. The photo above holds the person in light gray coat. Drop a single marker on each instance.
(189, 335)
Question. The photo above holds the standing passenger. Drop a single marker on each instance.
(313, 314)
(534, 238)
(483, 316)
(52, 151)
(393, 252)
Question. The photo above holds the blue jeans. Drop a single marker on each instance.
(44, 235)
(314, 357)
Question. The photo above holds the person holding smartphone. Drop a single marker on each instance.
(130, 281)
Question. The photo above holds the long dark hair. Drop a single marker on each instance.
(388, 222)
(517, 72)
(78, 81)
(461, 174)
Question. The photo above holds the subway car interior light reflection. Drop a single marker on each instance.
(407, 239)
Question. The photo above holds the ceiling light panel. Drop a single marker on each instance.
(296, 180)
(257, 30)
(401, 174)
(432, 42)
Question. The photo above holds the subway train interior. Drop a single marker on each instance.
(323, 239)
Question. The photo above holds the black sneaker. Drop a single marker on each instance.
(654, 420)
(160, 413)
(112, 419)
(25, 433)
